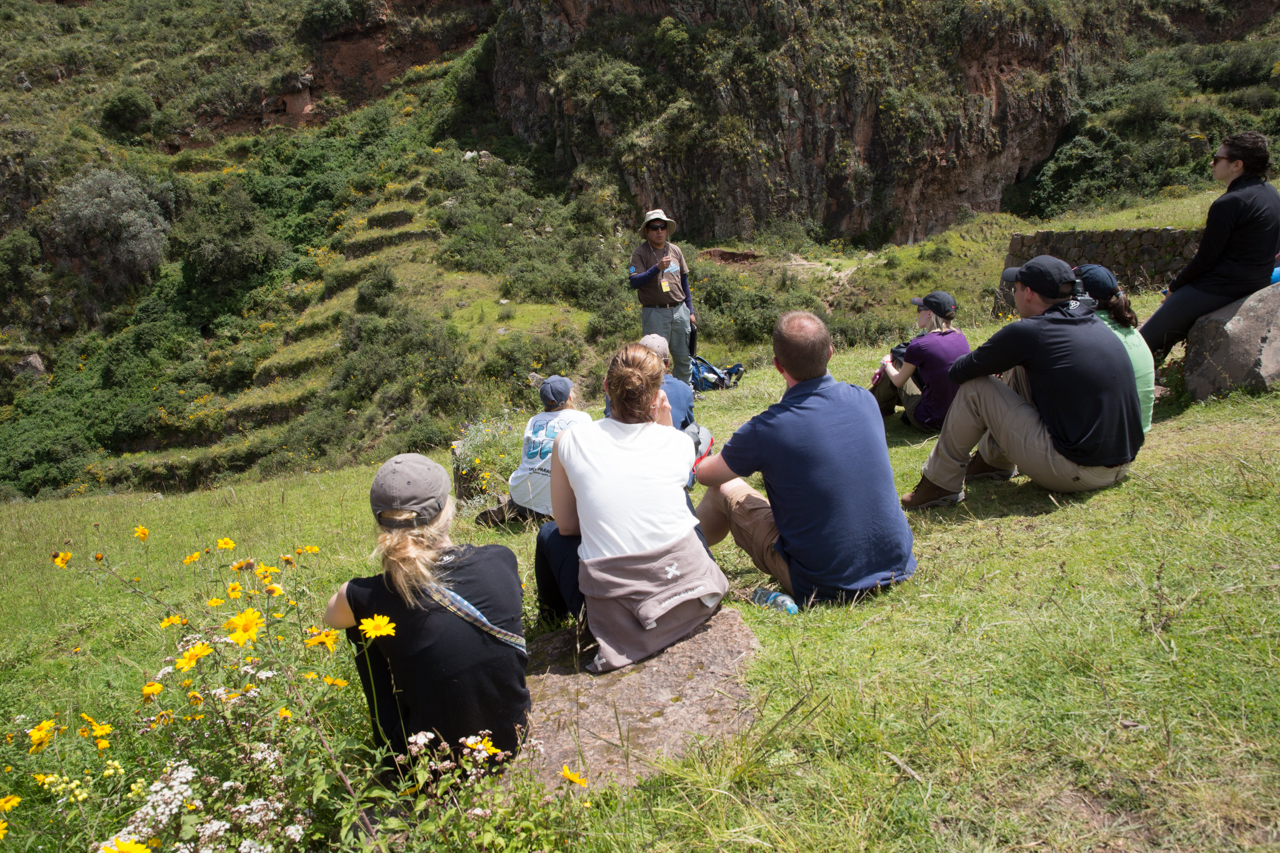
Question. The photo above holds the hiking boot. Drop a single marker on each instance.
(926, 494)
(979, 469)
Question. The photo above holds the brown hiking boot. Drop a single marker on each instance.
(926, 494)
(979, 469)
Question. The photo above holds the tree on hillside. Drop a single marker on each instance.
(224, 243)
(115, 224)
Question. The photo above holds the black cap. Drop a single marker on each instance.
(939, 302)
(1099, 282)
(1048, 276)
(555, 390)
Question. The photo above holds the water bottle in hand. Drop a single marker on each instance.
(775, 600)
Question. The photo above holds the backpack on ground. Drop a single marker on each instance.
(708, 377)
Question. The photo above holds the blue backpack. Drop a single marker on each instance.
(708, 377)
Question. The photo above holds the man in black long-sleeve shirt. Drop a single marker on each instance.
(1067, 414)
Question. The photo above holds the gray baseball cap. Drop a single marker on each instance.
(411, 482)
(658, 344)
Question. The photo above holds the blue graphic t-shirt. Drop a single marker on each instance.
(826, 469)
(530, 483)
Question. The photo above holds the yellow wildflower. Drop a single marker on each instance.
(240, 564)
(309, 675)
(41, 735)
(245, 626)
(7, 804)
(571, 776)
(328, 639)
(102, 743)
(190, 558)
(188, 658)
(284, 714)
(273, 589)
(150, 690)
(170, 620)
(214, 602)
(225, 544)
(116, 845)
(60, 559)
(378, 626)
(195, 698)
(4, 829)
(234, 589)
(311, 549)
(141, 533)
(335, 682)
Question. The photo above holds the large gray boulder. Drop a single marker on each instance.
(614, 727)
(1237, 346)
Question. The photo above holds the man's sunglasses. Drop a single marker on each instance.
(1217, 157)
(658, 226)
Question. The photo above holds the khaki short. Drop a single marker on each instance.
(754, 531)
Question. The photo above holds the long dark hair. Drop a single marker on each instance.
(1120, 310)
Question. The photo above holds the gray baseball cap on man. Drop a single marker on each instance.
(410, 482)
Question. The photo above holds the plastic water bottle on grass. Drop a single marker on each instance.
(774, 600)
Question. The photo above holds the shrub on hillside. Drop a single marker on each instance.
(19, 255)
(127, 113)
(519, 354)
(373, 294)
(224, 243)
(109, 219)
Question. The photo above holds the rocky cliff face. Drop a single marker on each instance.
(880, 120)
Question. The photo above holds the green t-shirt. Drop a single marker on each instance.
(1144, 366)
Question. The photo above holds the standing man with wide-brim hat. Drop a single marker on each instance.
(660, 278)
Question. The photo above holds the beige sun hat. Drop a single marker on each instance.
(658, 214)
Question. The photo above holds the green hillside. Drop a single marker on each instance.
(182, 301)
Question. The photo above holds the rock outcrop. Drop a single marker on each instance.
(611, 727)
(1235, 347)
(871, 120)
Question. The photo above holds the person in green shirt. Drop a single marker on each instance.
(1114, 310)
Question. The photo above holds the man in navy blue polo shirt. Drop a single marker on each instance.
(831, 526)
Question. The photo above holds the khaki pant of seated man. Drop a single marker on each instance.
(999, 419)
(737, 508)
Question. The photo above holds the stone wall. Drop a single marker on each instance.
(1141, 258)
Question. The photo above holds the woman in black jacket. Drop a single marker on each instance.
(1238, 250)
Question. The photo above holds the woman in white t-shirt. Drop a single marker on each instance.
(625, 542)
(530, 484)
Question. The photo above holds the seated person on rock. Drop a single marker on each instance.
(625, 544)
(1237, 252)
(1067, 413)
(679, 394)
(451, 662)
(919, 381)
(1113, 308)
(831, 528)
(530, 484)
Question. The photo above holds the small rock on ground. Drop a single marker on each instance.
(609, 727)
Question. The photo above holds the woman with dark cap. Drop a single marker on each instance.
(1113, 309)
(449, 658)
(1238, 250)
(918, 381)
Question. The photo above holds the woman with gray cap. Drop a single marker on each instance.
(917, 380)
(530, 484)
(444, 651)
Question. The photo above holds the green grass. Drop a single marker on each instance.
(1068, 672)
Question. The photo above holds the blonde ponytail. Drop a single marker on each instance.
(409, 554)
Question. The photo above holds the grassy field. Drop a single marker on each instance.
(1090, 672)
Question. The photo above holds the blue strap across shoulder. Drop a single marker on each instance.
(459, 606)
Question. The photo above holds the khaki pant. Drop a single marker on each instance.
(908, 396)
(1006, 429)
(752, 526)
